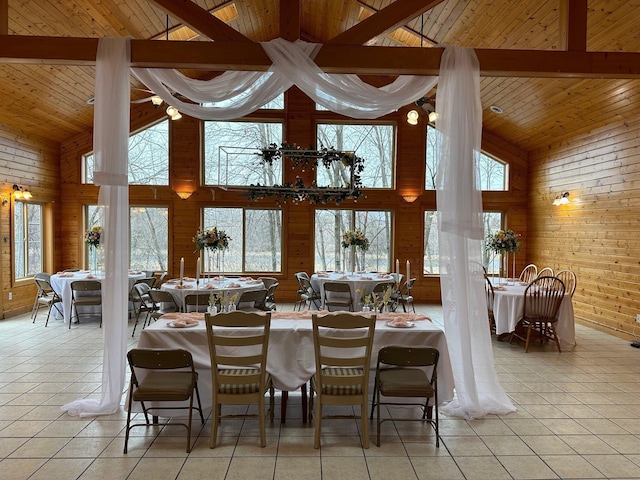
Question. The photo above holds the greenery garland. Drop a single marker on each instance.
(298, 192)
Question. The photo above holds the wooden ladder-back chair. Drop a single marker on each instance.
(169, 376)
(542, 299)
(546, 272)
(342, 346)
(239, 365)
(337, 294)
(528, 274)
(399, 374)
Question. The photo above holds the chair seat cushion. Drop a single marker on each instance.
(404, 382)
(165, 386)
(87, 300)
(233, 388)
(329, 389)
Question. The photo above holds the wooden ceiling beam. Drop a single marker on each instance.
(290, 20)
(201, 20)
(386, 20)
(573, 25)
(4, 17)
(220, 56)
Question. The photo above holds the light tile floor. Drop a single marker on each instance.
(578, 417)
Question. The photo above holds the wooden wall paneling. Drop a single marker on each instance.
(31, 162)
(601, 171)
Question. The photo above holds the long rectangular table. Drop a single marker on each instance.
(290, 358)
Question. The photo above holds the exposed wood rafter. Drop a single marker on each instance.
(386, 20)
(200, 20)
(573, 25)
(4, 17)
(290, 19)
(220, 56)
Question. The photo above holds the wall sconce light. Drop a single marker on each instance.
(173, 113)
(561, 199)
(410, 197)
(21, 193)
(184, 194)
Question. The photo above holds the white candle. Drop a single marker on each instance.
(408, 270)
(397, 266)
(181, 268)
(198, 270)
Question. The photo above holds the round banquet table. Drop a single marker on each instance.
(208, 285)
(508, 306)
(358, 281)
(61, 283)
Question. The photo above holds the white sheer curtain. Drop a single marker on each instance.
(459, 198)
(240, 93)
(111, 136)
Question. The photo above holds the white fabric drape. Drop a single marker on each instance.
(459, 198)
(111, 136)
(240, 93)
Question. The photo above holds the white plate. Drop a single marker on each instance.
(390, 323)
(170, 324)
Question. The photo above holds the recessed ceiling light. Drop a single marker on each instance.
(91, 101)
(496, 109)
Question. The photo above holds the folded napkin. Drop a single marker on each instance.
(500, 288)
(233, 285)
(322, 275)
(209, 286)
(90, 276)
(366, 278)
(252, 281)
(188, 279)
(65, 274)
(135, 272)
(383, 275)
(178, 286)
(246, 279)
(343, 277)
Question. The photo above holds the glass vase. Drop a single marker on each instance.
(352, 260)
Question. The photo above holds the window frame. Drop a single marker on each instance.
(355, 123)
(24, 227)
(207, 254)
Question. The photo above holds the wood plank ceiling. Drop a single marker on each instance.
(50, 100)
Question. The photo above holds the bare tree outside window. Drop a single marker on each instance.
(256, 240)
(149, 237)
(148, 157)
(493, 172)
(331, 224)
(374, 143)
(492, 222)
(27, 239)
(229, 153)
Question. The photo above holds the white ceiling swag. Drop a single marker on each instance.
(235, 94)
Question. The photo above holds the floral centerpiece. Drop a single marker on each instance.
(92, 236)
(355, 238)
(503, 241)
(213, 239)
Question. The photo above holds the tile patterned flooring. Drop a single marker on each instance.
(578, 417)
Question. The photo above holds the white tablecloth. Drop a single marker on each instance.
(290, 359)
(508, 306)
(364, 281)
(62, 285)
(232, 285)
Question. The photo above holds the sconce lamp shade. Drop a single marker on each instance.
(409, 197)
(561, 199)
(21, 193)
(412, 117)
(156, 101)
(184, 194)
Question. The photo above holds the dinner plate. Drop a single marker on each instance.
(171, 324)
(390, 323)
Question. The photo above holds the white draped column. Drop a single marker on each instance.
(459, 198)
(110, 141)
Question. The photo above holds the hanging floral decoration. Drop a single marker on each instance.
(503, 241)
(213, 239)
(298, 192)
(355, 238)
(92, 236)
